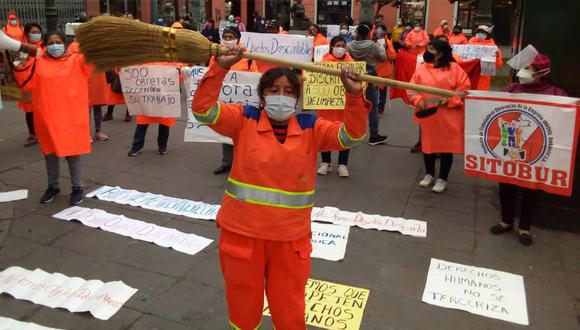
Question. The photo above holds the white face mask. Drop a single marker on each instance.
(526, 76)
(344, 31)
(417, 28)
(229, 43)
(280, 107)
(338, 52)
(481, 36)
(399, 23)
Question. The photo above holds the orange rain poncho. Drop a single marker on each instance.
(23, 74)
(417, 41)
(14, 32)
(385, 69)
(485, 81)
(457, 39)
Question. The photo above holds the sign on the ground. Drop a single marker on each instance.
(487, 55)
(481, 291)
(524, 139)
(329, 241)
(14, 195)
(325, 92)
(332, 306)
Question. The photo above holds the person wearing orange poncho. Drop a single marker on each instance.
(442, 30)
(442, 131)
(337, 53)
(60, 100)
(13, 29)
(416, 40)
(457, 37)
(384, 69)
(319, 39)
(230, 39)
(483, 37)
(23, 72)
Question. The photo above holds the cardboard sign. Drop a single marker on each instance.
(238, 87)
(487, 55)
(290, 46)
(320, 51)
(481, 291)
(329, 241)
(137, 229)
(524, 139)
(151, 90)
(56, 290)
(325, 92)
(334, 30)
(332, 306)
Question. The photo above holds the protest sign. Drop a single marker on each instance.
(238, 87)
(137, 229)
(329, 241)
(56, 290)
(325, 92)
(320, 51)
(524, 139)
(172, 205)
(151, 90)
(13, 195)
(332, 306)
(480, 291)
(334, 30)
(289, 46)
(11, 324)
(404, 226)
(487, 55)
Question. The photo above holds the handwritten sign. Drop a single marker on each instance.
(56, 290)
(151, 90)
(334, 30)
(481, 291)
(325, 92)
(332, 306)
(137, 229)
(238, 87)
(329, 241)
(370, 221)
(320, 51)
(487, 55)
(290, 46)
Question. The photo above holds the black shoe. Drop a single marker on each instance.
(377, 139)
(134, 152)
(76, 196)
(222, 169)
(416, 148)
(49, 195)
(499, 229)
(162, 151)
(525, 239)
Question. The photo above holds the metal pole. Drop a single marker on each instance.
(51, 15)
(483, 12)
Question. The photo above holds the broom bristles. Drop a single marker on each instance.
(111, 42)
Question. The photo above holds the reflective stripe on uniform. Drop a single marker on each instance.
(269, 196)
(211, 116)
(235, 327)
(347, 141)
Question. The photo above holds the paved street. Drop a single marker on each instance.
(179, 291)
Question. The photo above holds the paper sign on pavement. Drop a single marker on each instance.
(56, 290)
(11, 324)
(137, 229)
(329, 241)
(13, 195)
(481, 291)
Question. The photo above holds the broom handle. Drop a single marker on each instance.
(335, 72)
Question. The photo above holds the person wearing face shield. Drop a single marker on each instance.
(60, 100)
(483, 37)
(231, 39)
(533, 79)
(264, 217)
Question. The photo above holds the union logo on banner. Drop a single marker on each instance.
(523, 139)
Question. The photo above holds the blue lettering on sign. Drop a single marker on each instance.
(275, 48)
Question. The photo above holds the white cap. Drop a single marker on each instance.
(443, 22)
(485, 28)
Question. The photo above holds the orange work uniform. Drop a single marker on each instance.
(60, 100)
(441, 32)
(443, 131)
(485, 81)
(23, 75)
(417, 41)
(265, 214)
(457, 39)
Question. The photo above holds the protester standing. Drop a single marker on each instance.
(345, 32)
(314, 31)
(398, 30)
(13, 29)
(483, 37)
(442, 30)
(417, 40)
(384, 69)
(210, 32)
(457, 37)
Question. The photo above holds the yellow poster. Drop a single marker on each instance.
(324, 92)
(332, 306)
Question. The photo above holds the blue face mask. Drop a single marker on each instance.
(34, 37)
(55, 50)
(14, 22)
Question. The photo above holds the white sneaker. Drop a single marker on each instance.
(427, 181)
(440, 186)
(343, 171)
(324, 169)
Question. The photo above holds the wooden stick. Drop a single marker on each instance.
(335, 72)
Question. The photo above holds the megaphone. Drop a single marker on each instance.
(10, 44)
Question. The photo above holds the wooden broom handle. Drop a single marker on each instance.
(336, 72)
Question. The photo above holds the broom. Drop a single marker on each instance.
(112, 42)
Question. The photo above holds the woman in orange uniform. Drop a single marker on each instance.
(60, 100)
(13, 29)
(457, 37)
(417, 39)
(442, 132)
(314, 31)
(384, 69)
(483, 37)
(23, 73)
(265, 214)
(337, 53)
(230, 39)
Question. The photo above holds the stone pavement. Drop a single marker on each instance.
(179, 291)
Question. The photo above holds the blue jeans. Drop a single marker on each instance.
(342, 157)
(382, 99)
(372, 95)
